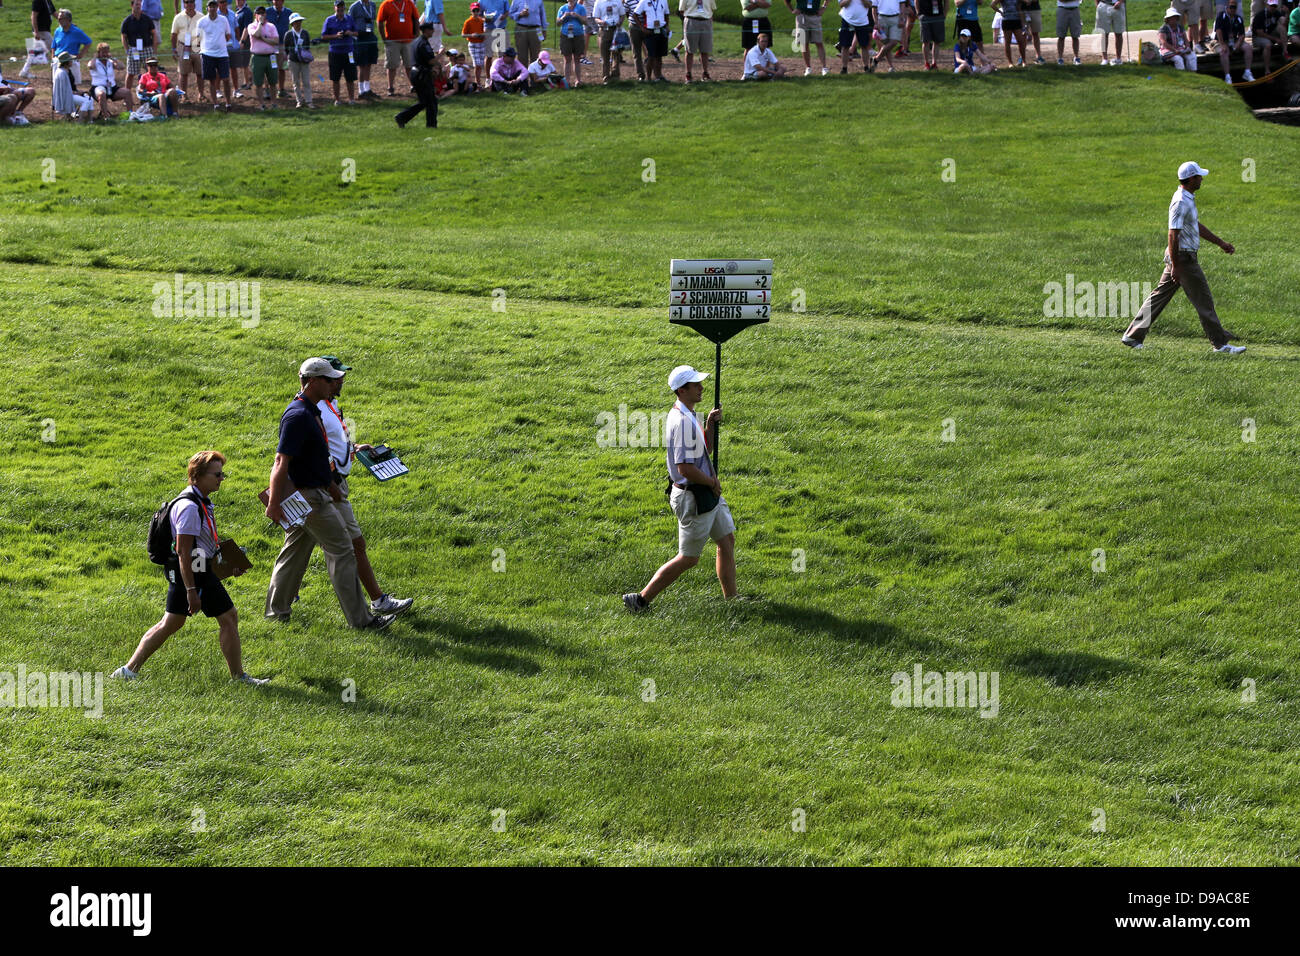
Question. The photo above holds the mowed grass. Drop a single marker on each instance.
(523, 690)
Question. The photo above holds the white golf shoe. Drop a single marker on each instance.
(1228, 349)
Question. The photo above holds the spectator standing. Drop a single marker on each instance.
(279, 15)
(887, 22)
(934, 15)
(103, 80)
(234, 52)
(43, 12)
(298, 61)
(807, 19)
(1068, 21)
(186, 47)
(68, 38)
(968, 18)
(697, 27)
(1033, 19)
(855, 24)
(572, 22)
(654, 16)
(264, 42)
(753, 21)
(636, 36)
(156, 89)
(192, 586)
(1230, 31)
(215, 32)
(139, 41)
(530, 20)
(243, 60)
(366, 51)
(508, 74)
(433, 14)
(398, 23)
(496, 16)
(474, 29)
(1112, 18)
(761, 63)
(1012, 26)
(340, 32)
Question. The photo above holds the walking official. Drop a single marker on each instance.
(695, 494)
(1182, 270)
(422, 80)
(343, 452)
(302, 463)
(190, 525)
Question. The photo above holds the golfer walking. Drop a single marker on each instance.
(695, 494)
(1182, 270)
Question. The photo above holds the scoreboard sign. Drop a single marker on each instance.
(720, 297)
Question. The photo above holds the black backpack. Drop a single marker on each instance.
(159, 544)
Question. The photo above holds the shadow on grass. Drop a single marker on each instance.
(1067, 668)
(804, 618)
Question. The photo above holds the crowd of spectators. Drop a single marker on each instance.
(230, 51)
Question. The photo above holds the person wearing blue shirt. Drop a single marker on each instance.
(243, 60)
(278, 15)
(433, 14)
(530, 20)
(367, 50)
(572, 19)
(69, 39)
(496, 16)
(968, 18)
(341, 32)
(232, 46)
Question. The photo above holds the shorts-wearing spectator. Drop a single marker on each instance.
(155, 89)
(234, 52)
(139, 41)
(572, 23)
(891, 31)
(242, 61)
(808, 21)
(43, 12)
(1012, 27)
(1266, 32)
(433, 14)
(855, 24)
(474, 30)
(187, 49)
(398, 22)
(103, 80)
(1230, 31)
(968, 18)
(496, 17)
(654, 25)
(215, 31)
(1111, 18)
(68, 38)
(933, 14)
(1033, 19)
(278, 15)
(1068, 22)
(364, 14)
(340, 31)
(264, 42)
(13, 100)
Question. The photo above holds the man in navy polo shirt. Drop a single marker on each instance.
(302, 463)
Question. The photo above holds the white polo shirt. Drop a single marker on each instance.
(608, 12)
(684, 439)
(188, 518)
(756, 58)
(888, 8)
(655, 12)
(216, 34)
(856, 14)
(336, 433)
(1182, 216)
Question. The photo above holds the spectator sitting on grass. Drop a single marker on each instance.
(1230, 31)
(458, 75)
(103, 80)
(968, 58)
(12, 103)
(761, 63)
(68, 101)
(508, 74)
(543, 76)
(156, 89)
(1175, 49)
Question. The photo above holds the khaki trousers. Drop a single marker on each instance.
(608, 63)
(527, 44)
(1193, 282)
(324, 527)
(300, 73)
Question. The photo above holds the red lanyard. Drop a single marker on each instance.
(342, 423)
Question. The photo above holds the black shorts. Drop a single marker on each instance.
(932, 31)
(216, 67)
(367, 51)
(847, 32)
(656, 44)
(212, 593)
(341, 69)
(976, 34)
(749, 34)
(1011, 26)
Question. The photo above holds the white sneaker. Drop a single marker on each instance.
(825, 72)
(807, 71)
(387, 604)
(1077, 61)
(18, 119)
(1105, 62)
(1229, 349)
(249, 679)
(1248, 76)
(124, 673)
(1227, 78)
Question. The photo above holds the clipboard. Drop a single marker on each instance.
(230, 558)
(296, 508)
(382, 462)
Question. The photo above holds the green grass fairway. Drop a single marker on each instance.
(523, 687)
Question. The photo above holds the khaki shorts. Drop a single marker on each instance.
(1207, 11)
(1110, 19)
(344, 507)
(889, 27)
(694, 529)
(395, 51)
(1187, 8)
(699, 35)
(811, 26)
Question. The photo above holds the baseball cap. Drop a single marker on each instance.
(452, 51)
(965, 33)
(478, 6)
(1188, 170)
(544, 57)
(336, 364)
(682, 375)
(510, 51)
(318, 368)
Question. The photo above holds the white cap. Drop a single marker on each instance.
(1171, 12)
(1188, 170)
(965, 33)
(682, 375)
(297, 18)
(318, 368)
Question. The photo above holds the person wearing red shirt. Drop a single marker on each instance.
(156, 90)
(398, 22)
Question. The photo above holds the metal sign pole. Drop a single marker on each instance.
(717, 402)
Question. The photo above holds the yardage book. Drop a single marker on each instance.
(230, 558)
(382, 462)
(296, 508)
